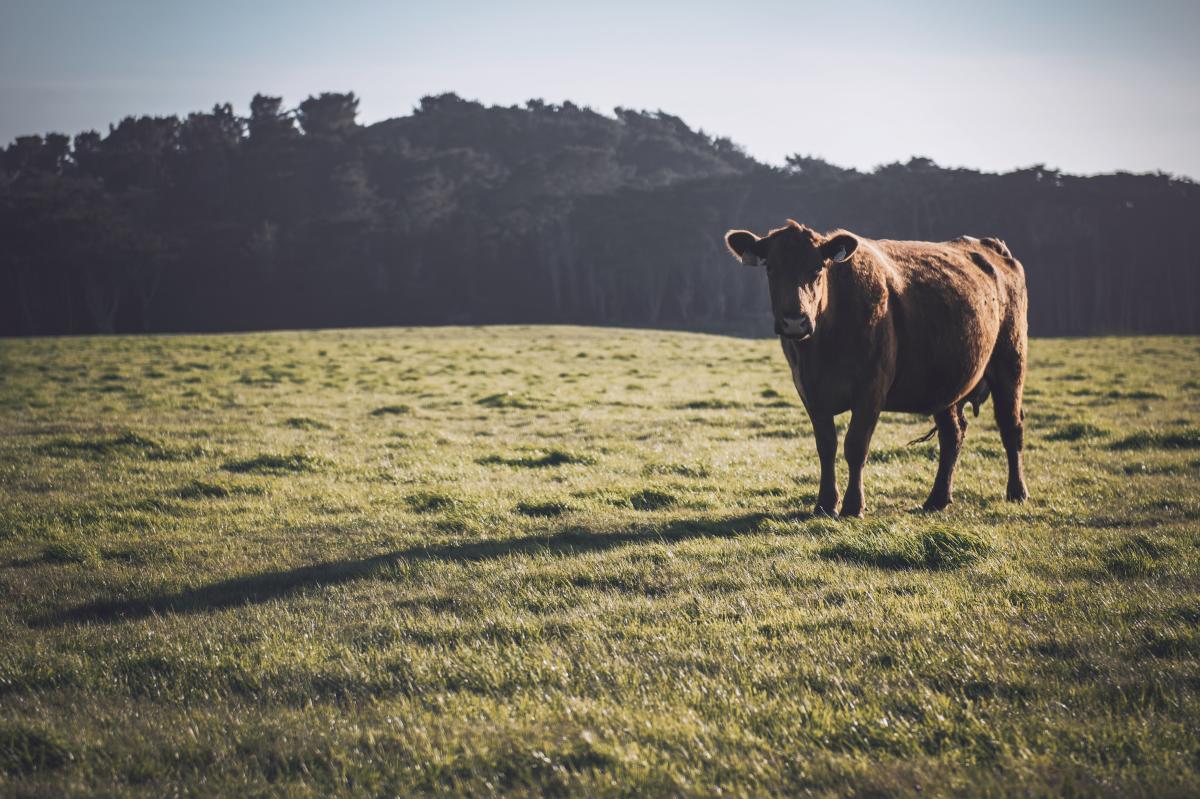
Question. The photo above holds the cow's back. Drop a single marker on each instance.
(948, 303)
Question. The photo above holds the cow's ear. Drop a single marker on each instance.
(839, 248)
(746, 247)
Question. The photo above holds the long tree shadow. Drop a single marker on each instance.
(266, 586)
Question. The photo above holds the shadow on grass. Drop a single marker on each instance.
(263, 587)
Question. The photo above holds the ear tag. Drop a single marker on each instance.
(841, 255)
(750, 259)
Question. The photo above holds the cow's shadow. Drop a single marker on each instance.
(263, 587)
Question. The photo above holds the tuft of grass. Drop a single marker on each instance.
(27, 750)
(1156, 439)
(69, 551)
(709, 405)
(273, 464)
(651, 499)
(548, 509)
(435, 502)
(506, 399)
(305, 423)
(198, 489)
(694, 470)
(538, 459)
(1136, 556)
(895, 545)
(1139, 394)
(1077, 431)
(128, 444)
(391, 410)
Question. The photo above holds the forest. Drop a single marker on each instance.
(462, 213)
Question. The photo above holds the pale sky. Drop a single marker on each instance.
(1082, 86)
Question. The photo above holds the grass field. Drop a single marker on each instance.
(580, 561)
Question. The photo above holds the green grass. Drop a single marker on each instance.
(534, 561)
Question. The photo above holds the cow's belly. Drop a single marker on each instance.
(939, 368)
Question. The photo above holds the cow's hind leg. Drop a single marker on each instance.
(1006, 377)
(951, 428)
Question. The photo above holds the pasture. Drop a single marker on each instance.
(553, 560)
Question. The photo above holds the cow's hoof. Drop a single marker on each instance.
(828, 513)
(936, 502)
(1018, 493)
(852, 510)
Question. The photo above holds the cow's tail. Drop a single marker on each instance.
(922, 439)
(975, 398)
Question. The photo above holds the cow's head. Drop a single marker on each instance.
(796, 259)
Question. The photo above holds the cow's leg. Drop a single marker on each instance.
(1006, 376)
(951, 427)
(825, 434)
(858, 442)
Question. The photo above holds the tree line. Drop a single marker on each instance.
(467, 214)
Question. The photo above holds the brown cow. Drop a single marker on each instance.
(912, 326)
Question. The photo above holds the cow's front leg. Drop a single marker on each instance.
(825, 434)
(858, 442)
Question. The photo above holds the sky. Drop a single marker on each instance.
(1082, 86)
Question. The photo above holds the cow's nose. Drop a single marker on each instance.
(794, 327)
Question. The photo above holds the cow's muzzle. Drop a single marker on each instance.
(796, 328)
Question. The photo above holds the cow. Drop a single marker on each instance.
(911, 326)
